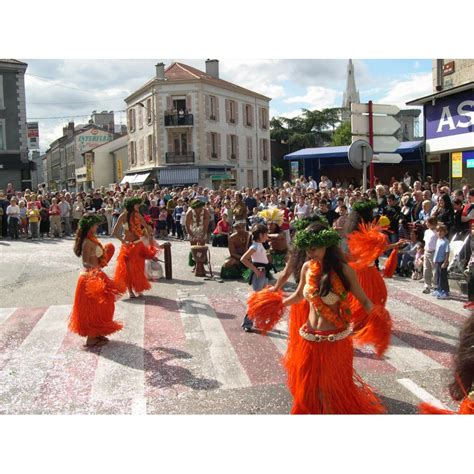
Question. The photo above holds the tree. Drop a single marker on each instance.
(342, 135)
(277, 172)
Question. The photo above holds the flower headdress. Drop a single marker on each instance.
(273, 215)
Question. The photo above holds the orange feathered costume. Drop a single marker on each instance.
(94, 301)
(321, 377)
(130, 269)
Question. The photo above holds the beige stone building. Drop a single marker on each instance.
(448, 73)
(188, 126)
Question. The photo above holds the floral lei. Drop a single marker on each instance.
(136, 224)
(103, 259)
(341, 319)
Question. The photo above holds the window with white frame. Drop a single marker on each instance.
(3, 142)
(149, 115)
(263, 118)
(232, 111)
(2, 100)
(248, 115)
(131, 119)
(232, 150)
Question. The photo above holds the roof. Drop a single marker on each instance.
(342, 151)
(13, 61)
(445, 93)
(179, 72)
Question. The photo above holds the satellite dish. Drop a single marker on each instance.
(359, 151)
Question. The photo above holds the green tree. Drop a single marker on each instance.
(277, 172)
(342, 135)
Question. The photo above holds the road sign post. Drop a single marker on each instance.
(360, 156)
(371, 142)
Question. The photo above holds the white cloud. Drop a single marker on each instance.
(409, 88)
(316, 97)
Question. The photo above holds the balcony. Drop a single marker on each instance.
(179, 158)
(178, 120)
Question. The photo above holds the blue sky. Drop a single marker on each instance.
(71, 89)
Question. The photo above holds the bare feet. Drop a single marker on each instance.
(96, 341)
(132, 295)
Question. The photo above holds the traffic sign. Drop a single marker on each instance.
(383, 124)
(385, 109)
(387, 144)
(360, 154)
(388, 158)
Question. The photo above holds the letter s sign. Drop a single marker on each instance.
(469, 113)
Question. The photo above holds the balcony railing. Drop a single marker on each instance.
(179, 158)
(178, 120)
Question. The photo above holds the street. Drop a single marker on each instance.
(182, 350)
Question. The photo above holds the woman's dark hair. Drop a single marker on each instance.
(464, 361)
(258, 230)
(355, 218)
(448, 205)
(333, 261)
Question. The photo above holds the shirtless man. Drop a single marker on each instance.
(278, 246)
(239, 242)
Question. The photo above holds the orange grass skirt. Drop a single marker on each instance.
(130, 269)
(94, 305)
(323, 379)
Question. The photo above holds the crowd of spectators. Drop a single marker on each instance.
(408, 203)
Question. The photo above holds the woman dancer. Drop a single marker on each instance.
(94, 302)
(130, 269)
(323, 379)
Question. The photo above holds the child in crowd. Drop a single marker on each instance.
(441, 261)
(23, 218)
(177, 214)
(429, 270)
(162, 217)
(418, 271)
(34, 217)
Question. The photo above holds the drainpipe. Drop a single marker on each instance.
(257, 147)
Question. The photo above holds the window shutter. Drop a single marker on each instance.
(169, 104)
(218, 139)
(190, 138)
(249, 148)
(236, 112)
(261, 148)
(260, 118)
(227, 110)
(188, 103)
(217, 109)
(170, 143)
(244, 120)
(236, 147)
(209, 145)
(208, 106)
(229, 150)
(251, 116)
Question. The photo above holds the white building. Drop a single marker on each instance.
(186, 126)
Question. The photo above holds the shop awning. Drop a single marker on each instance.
(179, 176)
(141, 178)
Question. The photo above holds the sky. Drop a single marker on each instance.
(61, 90)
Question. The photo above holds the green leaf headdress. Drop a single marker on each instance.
(130, 202)
(87, 221)
(305, 239)
(301, 224)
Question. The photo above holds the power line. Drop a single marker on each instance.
(73, 103)
(51, 79)
(66, 116)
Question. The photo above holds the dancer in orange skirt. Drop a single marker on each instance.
(130, 270)
(323, 378)
(94, 302)
(462, 387)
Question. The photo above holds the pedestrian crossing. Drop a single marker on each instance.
(188, 344)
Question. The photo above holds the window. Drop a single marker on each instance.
(264, 151)
(149, 115)
(263, 118)
(249, 149)
(265, 178)
(180, 144)
(141, 150)
(150, 147)
(131, 119)
(132, 153)
(3, 142)
(232, 147)
(231, 111)
(248, 115)
(2, 100)
(213, 107)
(214, 145)
(140, 117)
(250, 178)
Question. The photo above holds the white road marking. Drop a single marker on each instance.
(22, 378)
(281, 338)
(139, 406)
(120, 371)
(226, 365)
(407, 359)
(5, 313)
(424, 321)
(421, 393)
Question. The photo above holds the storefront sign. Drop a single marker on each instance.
(33, 135)
(119, 170)
(294, 170)
(449, 123)
(470, 163)
(448, 68)
(456, 160)
(92, 139)
(88, 157)
(433, 158)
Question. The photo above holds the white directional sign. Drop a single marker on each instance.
(386, 144)
(389, 158)
(383, 124)
(385, 109)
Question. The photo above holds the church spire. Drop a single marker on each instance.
(351, 94)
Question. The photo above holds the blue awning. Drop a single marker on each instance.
(342, 151)
(170, 176)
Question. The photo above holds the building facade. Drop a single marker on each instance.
(187, 126)
(14, 163)
(449, 73)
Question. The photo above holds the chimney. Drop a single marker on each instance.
(212, 68)
(160, 71)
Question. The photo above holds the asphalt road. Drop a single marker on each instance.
(182, 349)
